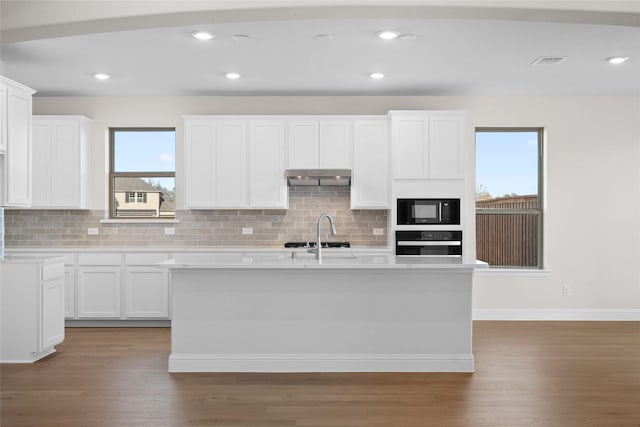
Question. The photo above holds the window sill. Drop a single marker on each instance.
(139, 221)
(502, 273)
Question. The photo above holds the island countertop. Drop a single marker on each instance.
(301, 260)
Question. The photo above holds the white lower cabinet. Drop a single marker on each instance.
(53, 311)
(32, 309)
(126, 286)
(146, 292)
(99, 292)
(69, 292)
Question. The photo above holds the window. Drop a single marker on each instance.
(142, 172)
(134, 197)
(509, 197)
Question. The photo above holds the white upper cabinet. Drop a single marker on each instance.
(409, 142)
(427, 144)
(446, 141)
(320, 143)
(199, 171)
(370, 178)
(335, 141)
(3, 119)
(268, 188)
(61, 156)
(15, 148)
(303, 144)
(234, 163)
(231, 164)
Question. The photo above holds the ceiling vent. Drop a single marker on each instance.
(548, 60)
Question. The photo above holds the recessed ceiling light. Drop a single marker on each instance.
(102, 76)
(615, 60)
(387, 34)
(377, 76)
(202, 35)
(240, 37)
(232, 76)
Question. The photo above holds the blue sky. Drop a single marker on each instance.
(507, 162)
(142, 151)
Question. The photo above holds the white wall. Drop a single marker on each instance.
(592, 228)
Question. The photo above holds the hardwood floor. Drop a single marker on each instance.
(557, 374)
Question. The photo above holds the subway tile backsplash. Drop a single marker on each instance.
(203, 228)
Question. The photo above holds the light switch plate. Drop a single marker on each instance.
(378, 232)
(247, 230)
(169, 230)
(92, 231)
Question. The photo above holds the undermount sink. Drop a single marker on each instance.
(325, 255)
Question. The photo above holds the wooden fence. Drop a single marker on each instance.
(508, 239)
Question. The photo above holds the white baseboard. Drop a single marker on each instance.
(556, 314)
(321, 363)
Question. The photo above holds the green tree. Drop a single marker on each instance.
(482, 193)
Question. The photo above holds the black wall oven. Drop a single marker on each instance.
(428, 211)
(429, 243)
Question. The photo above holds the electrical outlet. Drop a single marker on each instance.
(378, 232)
(247, 230)
(169, 230)
(566, 290)
(92, 231)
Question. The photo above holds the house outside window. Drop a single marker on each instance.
(142, 173)
(509, 197)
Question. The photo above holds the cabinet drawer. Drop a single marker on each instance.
(100, 259)
(52, 271)
(144, 258)
(69, 259)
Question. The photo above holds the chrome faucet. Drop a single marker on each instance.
(318, 248)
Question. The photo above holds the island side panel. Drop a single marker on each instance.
(295, 320)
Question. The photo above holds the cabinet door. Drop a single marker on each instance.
(69, 292)
(99, 292)
(303, 144)
(231, 164)
(268, 188)
(65, 176)
(335, 144)
(43, 153)
(199, 172)
(3, 118)
(18, 160)
(52, 326)
(445, 146)
(370, 180)
(409, 142)
(146, 292)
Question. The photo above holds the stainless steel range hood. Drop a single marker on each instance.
(315, 177)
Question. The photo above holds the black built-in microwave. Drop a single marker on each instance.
(428, 211)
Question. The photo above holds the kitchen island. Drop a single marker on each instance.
(287, 312)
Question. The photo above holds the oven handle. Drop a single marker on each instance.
(430, 256)
(430, 243)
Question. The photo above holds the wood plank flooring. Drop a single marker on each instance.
(556, 374)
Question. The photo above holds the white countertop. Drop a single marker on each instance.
(31, 259)
(195, 250)
(330, 260)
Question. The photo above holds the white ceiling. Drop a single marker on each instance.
(471, 48)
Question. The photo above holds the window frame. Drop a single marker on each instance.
(145, 174)
(539, 212)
